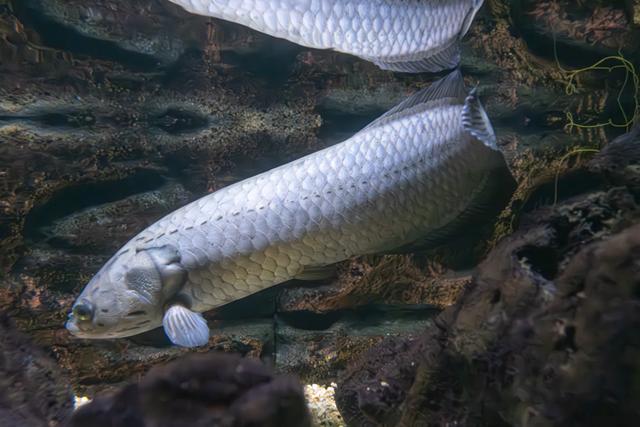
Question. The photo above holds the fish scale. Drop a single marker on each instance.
(412, 177)
(401, 180)
(395, 34)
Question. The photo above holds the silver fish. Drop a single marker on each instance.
(405, 179)
(399, 35)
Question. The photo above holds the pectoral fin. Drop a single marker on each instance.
(184, 327)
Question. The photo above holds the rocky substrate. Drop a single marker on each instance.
(114, 113)
(33, 391)
(202, 390)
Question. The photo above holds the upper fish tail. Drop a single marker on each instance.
(476, 121)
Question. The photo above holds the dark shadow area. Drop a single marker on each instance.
(59, 119)
(83, 196)
(272, 63)
(569, 185)
(61, 37)
(176, 121)
(338, 126)
(542, 260)
(364, 316)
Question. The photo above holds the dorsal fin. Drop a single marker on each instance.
(449, 87)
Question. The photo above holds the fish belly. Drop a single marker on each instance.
(385, 187)
(373, 29)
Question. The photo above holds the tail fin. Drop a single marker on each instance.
(476, 121)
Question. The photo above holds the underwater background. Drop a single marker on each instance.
(114, 113)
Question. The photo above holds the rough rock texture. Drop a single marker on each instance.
(619, 161)
(202, 390)
(543, 336)
(634, 11)
(316, 347)
(113, 113)
(33, 392)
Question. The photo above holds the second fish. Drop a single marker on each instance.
(400, 35)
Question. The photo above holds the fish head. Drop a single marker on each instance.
(128, 295)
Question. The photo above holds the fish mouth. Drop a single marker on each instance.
(72, 327)
(79, 331)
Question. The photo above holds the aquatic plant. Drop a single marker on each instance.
(631, 75)
(608, 64)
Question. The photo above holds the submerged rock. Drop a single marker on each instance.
(545, 330)
(619, 161)
(318, 347)
(85, 229)
(33, 392)
(202, 390)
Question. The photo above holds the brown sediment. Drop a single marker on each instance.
(389, 279)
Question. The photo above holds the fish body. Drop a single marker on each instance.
(398, 35)
(405, 179)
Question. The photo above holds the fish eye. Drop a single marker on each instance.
(83, 311)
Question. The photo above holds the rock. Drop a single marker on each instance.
(34, 391)
(322, 406)
(103, 365)
(85, 229)
(202, 390)
(139, 33)
(619, 161)
(634, 11)
(318, 347)
(544, 331)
